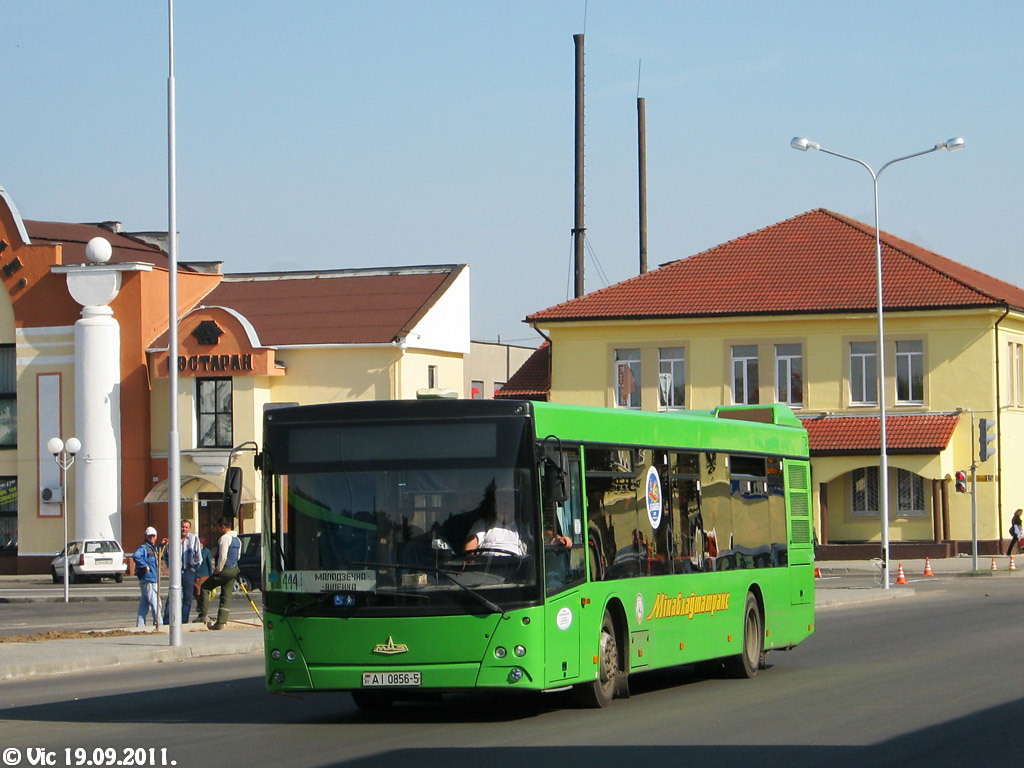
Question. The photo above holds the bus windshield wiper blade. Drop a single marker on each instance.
(294, 608)
(431, 569)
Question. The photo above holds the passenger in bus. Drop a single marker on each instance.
(495, 531)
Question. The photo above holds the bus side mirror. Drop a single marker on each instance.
(232, 491)
(556, 477)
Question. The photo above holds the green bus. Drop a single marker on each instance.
(427, 546)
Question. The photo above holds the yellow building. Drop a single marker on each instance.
(789, 314)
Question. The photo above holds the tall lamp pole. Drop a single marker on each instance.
(64, 455)
(951, 145)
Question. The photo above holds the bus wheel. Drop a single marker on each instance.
(600, 692)
(746, 663)
(373, 701)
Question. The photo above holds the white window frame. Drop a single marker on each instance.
(907, 361)
(745, 375)
(910, 501)
(672, 363)
(861, 499)
(863, 384)
(785, 362)
(627, 368)
(1015, 373)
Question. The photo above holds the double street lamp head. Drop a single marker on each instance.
(803, 144)
(55, 445)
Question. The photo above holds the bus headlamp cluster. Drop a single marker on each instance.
(279, 677)
(276, 655)
(515, 675)
(500, 652)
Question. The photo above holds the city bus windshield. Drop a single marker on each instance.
(425, 516)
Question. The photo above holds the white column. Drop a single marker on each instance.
(98, 424)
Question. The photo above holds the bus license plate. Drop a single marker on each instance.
(390, 679)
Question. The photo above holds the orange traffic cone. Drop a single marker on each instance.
(901, 577)
(817, 572)
(928, 567)
(994, 564)
(1013, 565)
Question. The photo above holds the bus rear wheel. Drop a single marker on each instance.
(746, 663)
(600, 692)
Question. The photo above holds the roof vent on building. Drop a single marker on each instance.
(113, 226)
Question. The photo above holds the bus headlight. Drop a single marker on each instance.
(500, 652)
(275, 654)
(515, 675)
(290, 655)
(519, 650)
(279, 677)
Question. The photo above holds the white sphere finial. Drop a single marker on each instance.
(98, 250)
(55, 445)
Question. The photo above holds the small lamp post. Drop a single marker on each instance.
(64, 455)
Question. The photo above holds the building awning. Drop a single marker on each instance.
(191, 486)
(925, 433)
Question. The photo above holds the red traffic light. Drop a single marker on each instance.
(961, 481)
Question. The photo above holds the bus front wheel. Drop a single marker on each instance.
(600, 692)
(746, 663)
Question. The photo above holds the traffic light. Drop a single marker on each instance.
(986, 438)
(961, 481)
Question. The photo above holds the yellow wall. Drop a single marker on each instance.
(960, 372)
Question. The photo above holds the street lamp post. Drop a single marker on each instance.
(64, 455)
(951, 145)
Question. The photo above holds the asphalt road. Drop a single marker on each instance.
(930, 680)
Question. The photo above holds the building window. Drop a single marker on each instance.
(8, 515)
(863, 373)
(744, 374)
(214, 404)
(1015, 379)
(909, 372)
(865, 491)
(627, 378)
(789, 374)
(672, 377)
(476, 390)
(8, 397)
(431, 377)
(498, 386)
(909, 493)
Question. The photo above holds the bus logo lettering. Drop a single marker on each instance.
(694, 605)
(390, 648)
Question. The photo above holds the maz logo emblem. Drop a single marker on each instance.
(389, 648)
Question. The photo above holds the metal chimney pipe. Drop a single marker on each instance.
(579, 230)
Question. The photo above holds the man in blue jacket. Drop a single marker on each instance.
(146, 570)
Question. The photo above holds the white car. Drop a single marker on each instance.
(91, 558)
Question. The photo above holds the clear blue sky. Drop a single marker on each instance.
(325, 135)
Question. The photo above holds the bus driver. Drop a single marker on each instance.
(496, 531)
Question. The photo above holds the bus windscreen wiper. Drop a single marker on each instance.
(441, 572)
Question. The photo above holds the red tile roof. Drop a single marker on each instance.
(533, 379)
(847, 435)
(819, 261)
(126, 249)
(354, 306)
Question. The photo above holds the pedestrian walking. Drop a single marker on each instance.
(147, 570)
(225, 571)
(191, 557)
(1015, 532)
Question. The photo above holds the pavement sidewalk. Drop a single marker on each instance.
(842, 583)
(19, 660)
